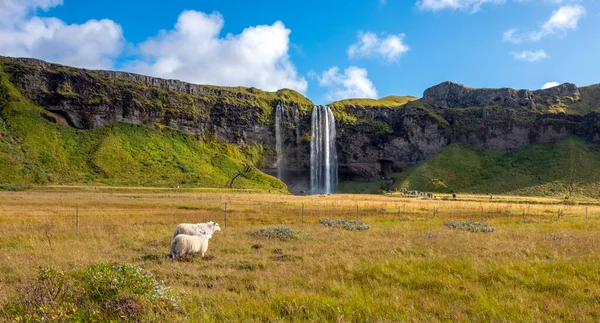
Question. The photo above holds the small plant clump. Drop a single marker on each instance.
(101, 292)
(469, 225)
(282, 233)
(351, 225)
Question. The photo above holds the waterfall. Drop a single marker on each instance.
(279, 137)
(323, 155)
(297, 123)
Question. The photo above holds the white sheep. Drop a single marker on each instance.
(184, 245)
(192, 229)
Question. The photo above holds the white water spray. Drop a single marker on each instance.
(279, 137)
(323, 155)
(297, 124)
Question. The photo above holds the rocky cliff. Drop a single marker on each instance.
(385, 140)
(375, 138)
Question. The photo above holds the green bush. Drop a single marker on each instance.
(15, 187)
(101, 292)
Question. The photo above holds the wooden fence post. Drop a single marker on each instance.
(77, 221)
(225, 211)
(357, 211)
(302, 212)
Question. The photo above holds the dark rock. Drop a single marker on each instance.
(452, 95)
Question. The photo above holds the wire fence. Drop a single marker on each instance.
(234, 211)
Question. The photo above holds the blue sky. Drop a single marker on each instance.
(326, 49)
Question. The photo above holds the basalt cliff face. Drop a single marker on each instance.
(373, 140)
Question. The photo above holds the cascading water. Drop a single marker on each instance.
(323, 155)
(297, 124)
(279, 137)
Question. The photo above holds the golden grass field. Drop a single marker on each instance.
(407, 267)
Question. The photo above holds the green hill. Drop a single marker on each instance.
(34, 149)
(542, 170)
(388, 101)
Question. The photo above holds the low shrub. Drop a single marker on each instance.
(16, 187)
(282, 233)
(351, 225)
(101, 292)
(469, 226)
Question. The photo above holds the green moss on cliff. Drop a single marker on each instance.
(88, 89)
(590, 101)
(35, 150)
(389, 101)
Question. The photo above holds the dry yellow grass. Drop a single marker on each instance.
(409, 266)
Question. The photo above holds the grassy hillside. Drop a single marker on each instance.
(535, 170)
(388, 101)
(538, 170)
(34, 150)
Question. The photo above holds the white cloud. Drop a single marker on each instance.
(530, 56)
(550, 2)
(195, 52)
(470, 5)
(352, 83)
(15, 10)
(369, 45)
(563, 19)
(549, 85)
(93, 44)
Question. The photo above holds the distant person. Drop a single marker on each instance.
(454, 196)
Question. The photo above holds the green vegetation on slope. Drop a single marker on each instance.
(34, 150)
(571, 165)
(388, 101)
(590, 98)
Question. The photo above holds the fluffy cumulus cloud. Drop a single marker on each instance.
(352, 83)
(530, 56)
(93, 44)
(369, 45)
(549, 85)
(14, 10)
(564, 19)
(465, 5)
(194, 51)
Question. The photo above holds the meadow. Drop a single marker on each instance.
(540, 264)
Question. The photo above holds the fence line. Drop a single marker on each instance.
(311, 210)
